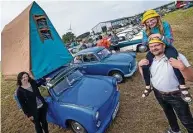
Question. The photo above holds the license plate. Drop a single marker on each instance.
(116, 110)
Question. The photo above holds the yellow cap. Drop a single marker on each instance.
(155, 40)
(149, 14)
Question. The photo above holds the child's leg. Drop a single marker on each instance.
(145, 68)
(146, 74)
(172, 52)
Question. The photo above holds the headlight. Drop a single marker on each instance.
(114, 81)
(130, 67)
(97, 115)
(115, 84)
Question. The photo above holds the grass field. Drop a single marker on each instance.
(136, 115)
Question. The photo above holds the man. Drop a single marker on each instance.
(78, 59)
(166, 90)
(103, 42)
(114, 39)
(186, 71)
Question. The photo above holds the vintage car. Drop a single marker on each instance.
(100, 61)
(130, 39)
(73, 100)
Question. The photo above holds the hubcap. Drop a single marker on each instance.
(118, 77)
(77, 127)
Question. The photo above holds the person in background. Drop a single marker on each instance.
(114, 41)
(78, 59)
(103, 42)
(32, 103)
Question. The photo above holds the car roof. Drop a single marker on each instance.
(90, 50)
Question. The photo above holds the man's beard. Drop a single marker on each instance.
(156, 53)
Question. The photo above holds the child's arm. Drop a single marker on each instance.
(145, 39)
(167, 38)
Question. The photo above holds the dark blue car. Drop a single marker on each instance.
(85, 103)
(100, 61)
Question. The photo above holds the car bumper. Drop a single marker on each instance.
(109, 118)
(132, 72)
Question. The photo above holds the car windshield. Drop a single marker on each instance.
(103, 53)
(66, 82)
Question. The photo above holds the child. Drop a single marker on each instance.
(155, 28)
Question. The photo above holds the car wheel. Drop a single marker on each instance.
(118, 75)
(77, 127)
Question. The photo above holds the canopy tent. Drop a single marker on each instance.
(31, 43)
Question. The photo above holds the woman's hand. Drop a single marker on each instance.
(155, 36)
(48, 79)
(143, 62)
(177, 64)
(31, 118)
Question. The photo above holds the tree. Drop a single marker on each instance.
(69, 36)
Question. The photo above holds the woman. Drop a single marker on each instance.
(31, 101)
(155, 28)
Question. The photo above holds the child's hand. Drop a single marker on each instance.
(177, 63)
(155, 36)
(143, 62)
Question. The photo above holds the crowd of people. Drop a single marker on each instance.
(164, 70)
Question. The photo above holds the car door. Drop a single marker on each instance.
(51, 116)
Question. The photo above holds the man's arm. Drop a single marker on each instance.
(186, 71)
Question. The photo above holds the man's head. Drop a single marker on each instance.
(78, 57)
(157, 47)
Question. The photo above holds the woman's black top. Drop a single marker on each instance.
(27, 99)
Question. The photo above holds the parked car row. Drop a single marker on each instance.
(73, 90)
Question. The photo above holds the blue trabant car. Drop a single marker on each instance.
(86, 103)
(100, 61)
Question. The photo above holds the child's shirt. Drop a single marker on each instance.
(167, 37)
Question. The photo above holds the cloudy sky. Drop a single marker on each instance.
(82, 15)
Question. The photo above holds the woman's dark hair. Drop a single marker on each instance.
(19, 78)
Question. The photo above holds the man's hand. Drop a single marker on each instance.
(177, 64)
(155, 36)
(143, 62)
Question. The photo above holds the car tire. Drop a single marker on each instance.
(118, 75)
(77, 127)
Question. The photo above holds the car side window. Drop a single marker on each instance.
(89, 58)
